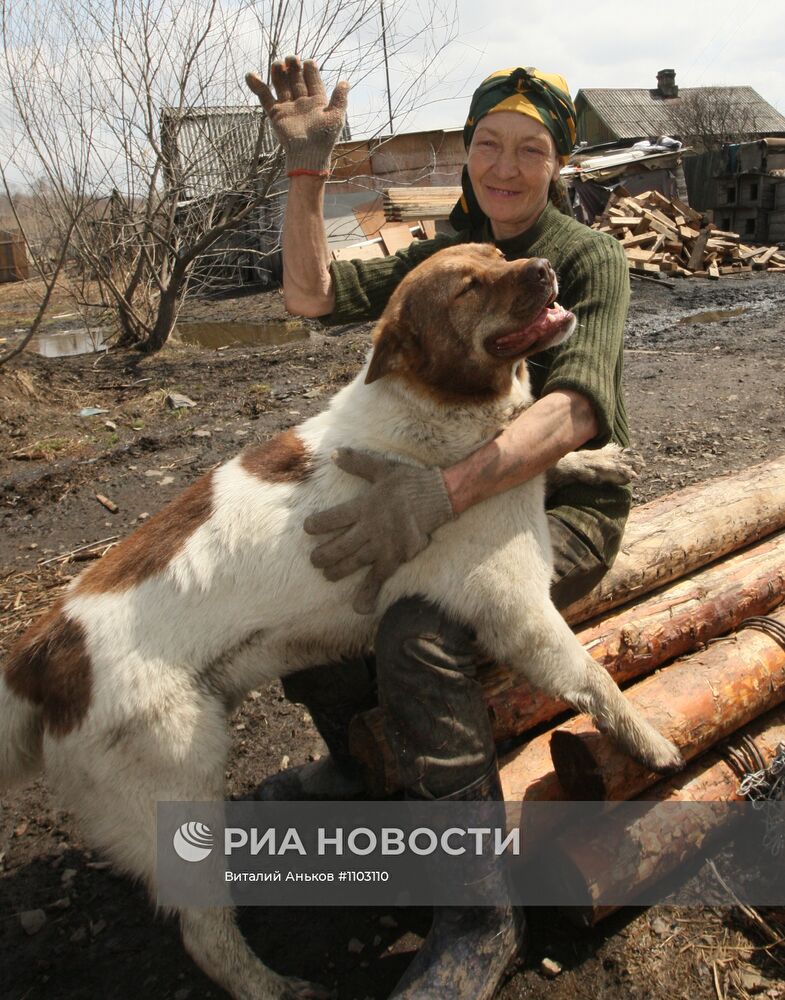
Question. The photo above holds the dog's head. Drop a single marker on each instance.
(458, 324)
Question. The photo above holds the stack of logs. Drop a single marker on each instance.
(695, 566)
(663, 235)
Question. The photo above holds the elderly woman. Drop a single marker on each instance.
(520, 130)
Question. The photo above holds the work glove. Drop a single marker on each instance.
(306, 126)
(383, 527)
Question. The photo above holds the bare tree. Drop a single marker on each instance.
(709, 117)
(48, 269)
(134, 113)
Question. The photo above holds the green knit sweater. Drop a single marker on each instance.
(594, 285)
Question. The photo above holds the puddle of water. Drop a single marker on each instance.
(65, 343)
(222, 334)
(713, 316)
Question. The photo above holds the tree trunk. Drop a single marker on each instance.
(166, 316)
(130, 334)
(621, 860)
(695, 702)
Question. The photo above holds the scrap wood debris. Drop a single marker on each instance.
(663, 235)
(24, 595)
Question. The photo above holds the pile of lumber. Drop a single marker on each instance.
(403, 204)
(391, 238)
(697, 566)
(663, 235)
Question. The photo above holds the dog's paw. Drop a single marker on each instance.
(300, 989)
(664, 757)
(632, 463)
(611, 464)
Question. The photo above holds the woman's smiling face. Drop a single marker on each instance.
(512, 161)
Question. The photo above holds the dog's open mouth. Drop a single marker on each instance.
(548, 325)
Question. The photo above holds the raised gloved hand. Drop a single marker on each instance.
(306, 126)
(383, 527)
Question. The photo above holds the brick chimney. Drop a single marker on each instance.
(666, 83)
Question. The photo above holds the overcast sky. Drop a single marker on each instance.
(602, 44)
(608, 44)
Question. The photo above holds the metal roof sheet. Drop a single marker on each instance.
(211, 148)
(633, 113)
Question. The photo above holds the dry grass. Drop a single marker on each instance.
(24, 594)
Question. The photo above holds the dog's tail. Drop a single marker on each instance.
(21, 737)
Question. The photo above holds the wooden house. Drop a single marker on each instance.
(618, 114)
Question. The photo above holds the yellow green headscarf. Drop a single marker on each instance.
(542, 96)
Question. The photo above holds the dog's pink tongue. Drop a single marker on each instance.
(551, 317)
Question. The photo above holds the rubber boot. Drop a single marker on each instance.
(333, 695)
(469, 950)
(436, 722)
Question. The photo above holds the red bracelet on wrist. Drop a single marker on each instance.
(307, 173)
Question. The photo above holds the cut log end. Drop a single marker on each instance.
(579, 772)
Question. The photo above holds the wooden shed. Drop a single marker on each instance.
(13, 257)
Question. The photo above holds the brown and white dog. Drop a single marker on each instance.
(122, 690)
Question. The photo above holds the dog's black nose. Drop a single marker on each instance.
(538, 269)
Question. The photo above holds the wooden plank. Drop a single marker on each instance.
(688, 234)
(636, 254)
(660, 227)
(695, 262)
(636, 241)
(396, 236)
(685, 210)
(713, 270)
(661, 217)
(721, 235)
(765, 257)
(370, 216)
(363, 251)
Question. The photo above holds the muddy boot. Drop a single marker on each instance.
(437, 723)
(333, 694)
(469, 950)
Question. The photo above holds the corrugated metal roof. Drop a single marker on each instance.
(211, 148)
(635, 113)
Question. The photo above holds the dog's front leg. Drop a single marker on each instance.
(213, 940)
(545, 650)
(611, 464)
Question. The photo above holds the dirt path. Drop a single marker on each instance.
(705, 396)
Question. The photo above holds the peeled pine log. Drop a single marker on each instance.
(618, 861)
(630, 643)
(528, 774)
(643, 636)
(678, 533)
(696, 703)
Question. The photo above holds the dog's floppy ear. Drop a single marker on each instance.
(388, 350)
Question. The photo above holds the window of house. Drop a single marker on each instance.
(749, 226)
(753, 192)
(726, 224)
(731, 195)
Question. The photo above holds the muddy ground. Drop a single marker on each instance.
(705, 384)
